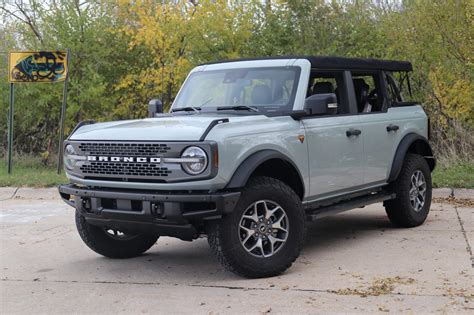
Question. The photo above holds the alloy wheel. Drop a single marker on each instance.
(263, 228)
(118, 235)
(417, 191)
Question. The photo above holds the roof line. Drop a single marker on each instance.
(336, 62)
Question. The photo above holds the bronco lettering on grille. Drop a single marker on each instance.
(93, 158)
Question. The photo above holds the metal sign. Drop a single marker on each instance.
(37, 66)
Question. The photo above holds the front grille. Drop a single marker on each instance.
(133, 161)
(124, 149)
(126, 169)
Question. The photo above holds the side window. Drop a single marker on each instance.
(323, 82)
(368, 91)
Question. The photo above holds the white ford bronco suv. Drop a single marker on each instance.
(250, 151)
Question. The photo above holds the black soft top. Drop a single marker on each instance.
(328, 62)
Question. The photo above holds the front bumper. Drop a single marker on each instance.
(176, 214)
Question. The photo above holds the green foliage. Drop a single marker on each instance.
(174, 37)
(98, 58)
(124, 53)
(437, 36)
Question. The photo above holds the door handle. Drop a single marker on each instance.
(353, 132)
(392, 128)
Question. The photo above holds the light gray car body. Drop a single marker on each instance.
(250, 151)
(329, 162)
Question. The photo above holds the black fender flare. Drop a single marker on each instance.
(402, 150)
(252, 162)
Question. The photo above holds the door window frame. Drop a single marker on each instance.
(379, 79)
(390, 80)
(347, 89)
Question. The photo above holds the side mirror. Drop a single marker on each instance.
(322, 104)
(155, 106)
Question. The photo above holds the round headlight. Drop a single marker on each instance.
(198, 163)
(69, 157)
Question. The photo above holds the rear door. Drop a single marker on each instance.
(381, 132)
(335, 145)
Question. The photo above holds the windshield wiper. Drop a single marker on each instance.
(238, 107)
(187, 109)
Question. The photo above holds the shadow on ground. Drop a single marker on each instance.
(194, 260)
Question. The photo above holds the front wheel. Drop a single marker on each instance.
(413, 188)
(264, 234)
(113, 243)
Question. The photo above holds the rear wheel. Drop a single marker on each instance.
(113, 243)
(264, 234)
(413, 193)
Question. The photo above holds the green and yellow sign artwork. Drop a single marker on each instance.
(37, 66)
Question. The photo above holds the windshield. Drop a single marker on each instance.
(260, 89)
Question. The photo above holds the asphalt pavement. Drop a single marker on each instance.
(351, 263)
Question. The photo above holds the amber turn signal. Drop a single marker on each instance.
(215, 158)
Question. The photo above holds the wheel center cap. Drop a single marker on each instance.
(262, 228)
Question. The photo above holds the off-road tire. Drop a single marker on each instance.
(399, 210)
(97, 239)
(223, 236)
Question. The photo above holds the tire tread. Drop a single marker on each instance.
(96, 239)
(399, 210)
(228, 261)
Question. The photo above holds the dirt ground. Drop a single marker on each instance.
(353, 262)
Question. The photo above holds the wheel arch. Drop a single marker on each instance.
(268, 163)
(411, 143)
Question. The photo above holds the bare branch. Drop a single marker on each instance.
(81, 22)
(29, 20)
(18, 11)
(13, 13)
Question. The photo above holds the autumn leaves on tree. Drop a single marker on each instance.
(125, 53)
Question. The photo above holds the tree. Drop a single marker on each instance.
(125, 53)
(172, 37)
(98, 60)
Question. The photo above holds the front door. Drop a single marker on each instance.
(336, 154)
(335, 142)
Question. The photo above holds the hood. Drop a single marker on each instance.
(165, 128)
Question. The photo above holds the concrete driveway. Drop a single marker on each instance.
(352, 262)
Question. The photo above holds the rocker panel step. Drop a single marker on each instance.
(358, 202)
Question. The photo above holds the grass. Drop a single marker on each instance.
(30, 172)
(458, 175)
